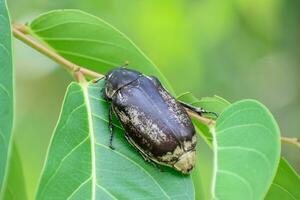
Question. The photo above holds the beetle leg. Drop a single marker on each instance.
(110, 126)
(102, 93)
(157, 166)
(197, 110)
(146, 158)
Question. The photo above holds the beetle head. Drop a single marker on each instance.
(118, 78)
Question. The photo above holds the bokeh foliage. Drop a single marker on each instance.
(235, 49)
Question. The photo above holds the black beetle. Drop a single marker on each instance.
(155, 123)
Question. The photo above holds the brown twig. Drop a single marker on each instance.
(79, 77)
(294, 141)
(20, 31)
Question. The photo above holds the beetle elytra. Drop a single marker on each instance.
(155, 123)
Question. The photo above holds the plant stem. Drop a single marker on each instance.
(79, 77)
(294, 141)
(20, 32)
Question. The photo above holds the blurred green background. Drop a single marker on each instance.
(236, 49)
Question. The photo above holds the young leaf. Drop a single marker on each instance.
(202, 172)
(80, 164)
(246, 151)
(90, 42)
(6, 92)
(286, 184)
(215, 104)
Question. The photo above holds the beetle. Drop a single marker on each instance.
(155, 123)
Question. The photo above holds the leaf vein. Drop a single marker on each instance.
(3, 137)
(241, 179)
(5, 49)
(138, 165)
(101, 118)
(2, 87)
(5, 18)
(87, 57)
(98, 99)
(232, 115)
(61, 163)
(84, 40)
(260, 154)
(69, 117)
(106, 191)
(64, 23)
(282, 188)
(78, 188)
(243, 126)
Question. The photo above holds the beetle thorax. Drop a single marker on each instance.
(117, 78)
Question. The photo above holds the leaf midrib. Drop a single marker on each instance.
(80, 55)
(64, 23)
(78, 39)
(285, 190)
(91, 135)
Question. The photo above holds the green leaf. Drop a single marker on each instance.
(80, 165)
(215, 104)
(286, 184)
(202, 172)
(91, 42)
(15, 187)
(246, 151)
(6, 92)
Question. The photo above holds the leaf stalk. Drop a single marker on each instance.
(294, 141)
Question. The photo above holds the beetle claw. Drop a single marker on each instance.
(161, 169)
(157, 166)
(111, 147)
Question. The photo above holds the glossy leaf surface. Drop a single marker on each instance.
(246, 151)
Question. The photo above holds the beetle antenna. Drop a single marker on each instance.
(98, 79)
(126, 63)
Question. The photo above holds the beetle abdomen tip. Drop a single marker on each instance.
(186, 162)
